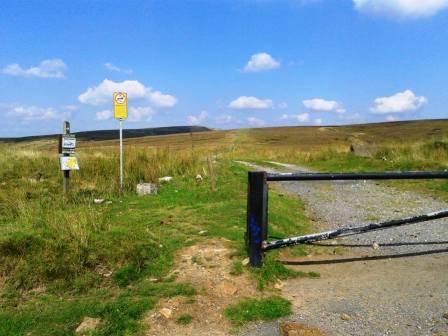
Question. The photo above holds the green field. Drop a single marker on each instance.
(62, 260)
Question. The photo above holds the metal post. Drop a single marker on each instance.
(66, 179)
(257, 208)
(121, 155)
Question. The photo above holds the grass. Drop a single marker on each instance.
(62, 260)
(81, 259)
(120, 312)
(184, 319)
(273, 270)
(423, 155)
(237, 268)
(249, 309)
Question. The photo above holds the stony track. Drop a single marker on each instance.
(400, 288)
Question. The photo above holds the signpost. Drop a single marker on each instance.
(120, 100)
(67, 158)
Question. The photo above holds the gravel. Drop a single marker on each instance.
(400, 288)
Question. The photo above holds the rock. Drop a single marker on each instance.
(199, 178)
(87, 324)
(445, 316)
(345, 317)
(245, 262)
(146, 188)
(165, 179)
(98, 200)
(202, 232)
(226, 288)
(108, 202)
(165, 312)
(279, 284)
(298, 329)
(375, 246)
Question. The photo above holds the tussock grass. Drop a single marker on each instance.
(63, 260)
(258, 309)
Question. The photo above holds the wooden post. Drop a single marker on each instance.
(66, 180)
(211, 173)
(257, 209)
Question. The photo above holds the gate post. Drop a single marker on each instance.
(257, 209)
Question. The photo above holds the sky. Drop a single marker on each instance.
(220, 63)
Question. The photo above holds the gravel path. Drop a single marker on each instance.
(399, 289)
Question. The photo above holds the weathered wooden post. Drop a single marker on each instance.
(66, 179)
(211, 172)
(67, 157)
(257, 209)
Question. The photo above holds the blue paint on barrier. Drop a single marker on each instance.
(254, 230)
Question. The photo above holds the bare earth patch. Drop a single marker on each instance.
(207, 266)
(298, 329)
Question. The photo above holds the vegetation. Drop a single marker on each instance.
(77, 258)
(258, 309)
(184, 319)
(62, 260)
(237, 268)
(274, 270)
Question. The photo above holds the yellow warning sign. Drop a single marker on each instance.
(120, 105)
(68, 162)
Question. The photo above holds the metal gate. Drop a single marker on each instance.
(256, 236)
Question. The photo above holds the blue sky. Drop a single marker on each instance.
(221, 63)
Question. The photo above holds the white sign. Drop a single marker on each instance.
(68, 142)
(68, 162)
(120, 98)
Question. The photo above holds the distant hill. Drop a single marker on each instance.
(113, 134)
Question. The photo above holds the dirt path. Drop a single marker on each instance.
(399, 289)
(207, 266)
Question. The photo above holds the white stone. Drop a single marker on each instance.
(146, 188)
(245, 262)
(98, 200)
(165, 312)
(199, 178)
(165, 179)
(87, 324)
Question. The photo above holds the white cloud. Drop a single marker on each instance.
(49, 68)
(104, 115)
(261, 62)
(392, 118)
(197, 119)
(319, 104)
(35, 113)
(114, 68)
(249, 102)
(302, 117)
(224, 119)
(318, 121)
(256, 122)
(399, 102)
(71, 107)
(401, 8)
(102, 93)
(140, 113)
